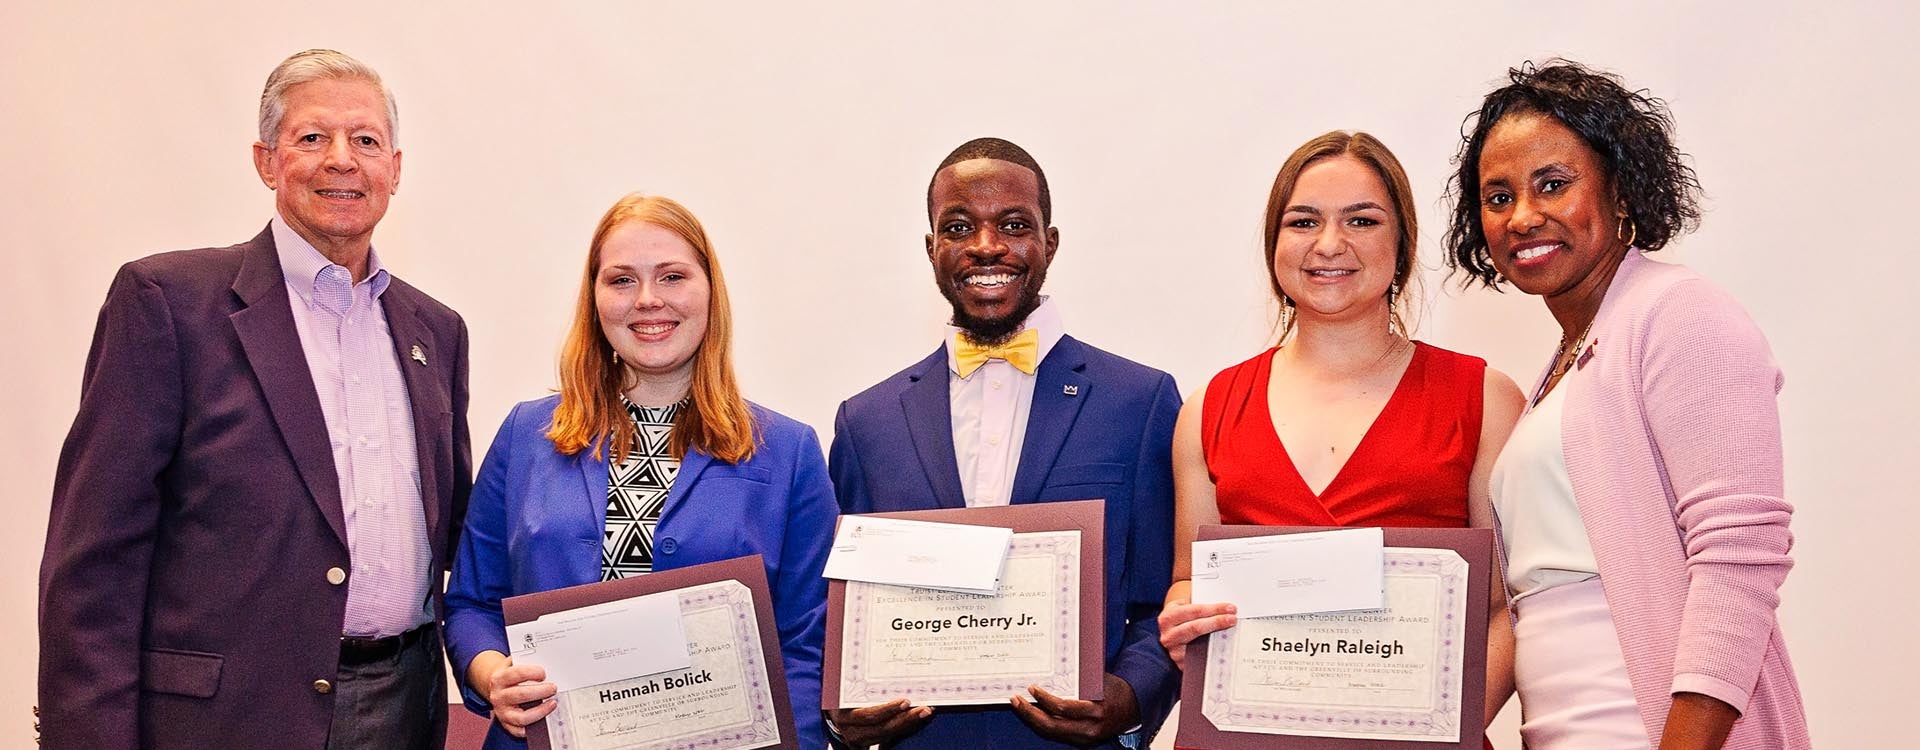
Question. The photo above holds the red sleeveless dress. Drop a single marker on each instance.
(1410, 469)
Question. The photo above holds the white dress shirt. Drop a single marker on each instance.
(989, 410)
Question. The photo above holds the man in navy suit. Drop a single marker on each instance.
(267, 472)
(1010, 409)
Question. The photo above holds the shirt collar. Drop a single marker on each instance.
(1045, 319)
(302, 263)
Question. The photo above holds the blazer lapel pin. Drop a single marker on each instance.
(419, 354)
(1071, 390)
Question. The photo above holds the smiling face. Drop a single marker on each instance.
(989, 248)
(652, 299)
(1548, 209)
(332, 166)
(1337, 247)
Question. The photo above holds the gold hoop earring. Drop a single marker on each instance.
(1629, 228)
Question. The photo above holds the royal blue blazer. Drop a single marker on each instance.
(1100, 427)
(537, 519)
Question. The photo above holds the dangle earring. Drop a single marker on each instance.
(1393, 294)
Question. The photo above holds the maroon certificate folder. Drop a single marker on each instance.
(725, 608)
(971, 662)
(1313, 691)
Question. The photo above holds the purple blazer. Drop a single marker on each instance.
(184, 595)
(1672, 438)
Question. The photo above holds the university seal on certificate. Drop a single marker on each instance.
(1413, 671)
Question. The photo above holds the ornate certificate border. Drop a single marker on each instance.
(736, 588)
(1062, 679)
(1436, 722)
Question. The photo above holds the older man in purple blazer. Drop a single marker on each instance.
(268, 469)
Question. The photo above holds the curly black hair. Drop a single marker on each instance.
(1631, 131)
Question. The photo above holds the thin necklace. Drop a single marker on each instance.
(1562, 361)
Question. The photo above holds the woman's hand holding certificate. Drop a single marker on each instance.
(520, 694)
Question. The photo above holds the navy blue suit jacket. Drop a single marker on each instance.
(538, 517)
(1100, 427)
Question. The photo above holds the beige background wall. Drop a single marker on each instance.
(805, 137)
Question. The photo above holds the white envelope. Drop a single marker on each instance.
(602, 643)
(923, 554)
(1292, 574)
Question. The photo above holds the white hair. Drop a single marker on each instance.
(316, 65)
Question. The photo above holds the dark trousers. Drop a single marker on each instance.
(394, 703)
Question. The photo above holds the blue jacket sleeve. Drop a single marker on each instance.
(800, 594)
(843, 463)
(481, 569)
(1141, 662)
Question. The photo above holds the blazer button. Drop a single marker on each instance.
(336, 577)
(322, 687)
(668, 545)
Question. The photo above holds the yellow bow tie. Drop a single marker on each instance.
(1023, 352)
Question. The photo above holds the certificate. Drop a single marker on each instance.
(731, 694)
(1045, 626)
(1410, 672)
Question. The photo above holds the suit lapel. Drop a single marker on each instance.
(928, 408)
(266, 331)
(593, 472)
(422, 374)
(1059, 388)
(690, 467)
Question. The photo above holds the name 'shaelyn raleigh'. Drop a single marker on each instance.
(1338, 646)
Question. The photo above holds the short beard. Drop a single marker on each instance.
(995, 331)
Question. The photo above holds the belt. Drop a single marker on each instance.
(355, 650)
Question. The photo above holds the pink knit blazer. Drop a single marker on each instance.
(1672, 440)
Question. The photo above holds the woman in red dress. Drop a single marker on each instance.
(1345, 422)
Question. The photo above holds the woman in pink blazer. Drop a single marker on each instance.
(1640, 500)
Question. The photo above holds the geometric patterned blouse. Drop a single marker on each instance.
(637, 491)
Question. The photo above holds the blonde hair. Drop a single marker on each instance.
(717, 422)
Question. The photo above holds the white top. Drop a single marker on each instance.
(989, 409)
(1540, 527)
